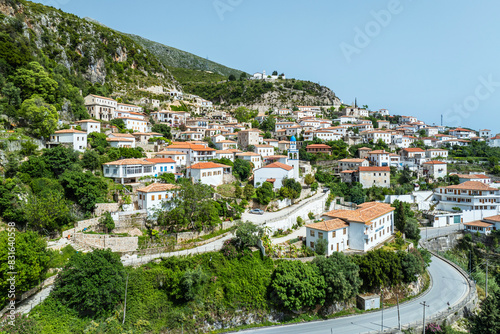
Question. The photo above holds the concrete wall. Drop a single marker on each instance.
(101, 241)
(100, 208)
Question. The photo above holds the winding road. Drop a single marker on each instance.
(448, 286)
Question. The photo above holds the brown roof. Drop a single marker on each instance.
(264, 146)
(247, 154)
(318, 146)
(271, 180)
(69, 131)
(170, 152)
(478, 223)
(157, 187)
(125, 135)
(119, 139)
(353, 160)
(278, 165)
(374, 169)
(365, 213)
(413, 149)
(161, 160)
(347, 172)
(87, 121)
(329, 225)
(434, 163)
(129, 162)
(472, 185)
(378, 152)
(364, 149)
(207, 165)
(493, 218)
(472, 176)
(102, 97)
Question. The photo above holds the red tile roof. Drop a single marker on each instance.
(161, 160)
(472, 185)
(374, 169)
(365, 213)
(278, 165)
(329, 225)
(157, 187)
(207, 165)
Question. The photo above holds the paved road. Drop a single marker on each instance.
(267, 216)
(449, 286)
(34, 300)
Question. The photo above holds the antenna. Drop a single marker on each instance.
(441, 119)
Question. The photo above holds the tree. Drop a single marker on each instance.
(275, 72)
(268, 124)
(119, 123)
(84, 188)
(341, 276)
(321, 246)
(60, 159)
(232, 77)
(309, 179)
(193, 207)
(242, 114)
(295, 285)
(34, 80)
(487, 321)
(247, 235)
(90, 160)
(242, 169)
(400, 218)
(291, 189)
(412, 266)
(167, 178)
(97, 139)
(31, 260)
(92, 283)
(191, 283)
(47, 211)
(412, 230)
(40, 117)
(265, 193)
(237, 190)
(107, 221)
(248, 191)
(164, 129)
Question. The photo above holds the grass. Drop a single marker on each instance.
(60, 258)
(226, 190)
(209, 236)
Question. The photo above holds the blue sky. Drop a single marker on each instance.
(421, 58)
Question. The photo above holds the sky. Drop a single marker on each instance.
(420, 58)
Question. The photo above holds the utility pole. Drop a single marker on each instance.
(424, 305)
(125, 304)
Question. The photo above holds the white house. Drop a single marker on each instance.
(334, 231)
(370, 225)
(180, 158)
(352, 164)
(374, 176)
(274, 173)
(208, 173)
(100, 107)
(73, 138)
(223, 145)
(494, 141)
(436, 153)
(254, 158)
(135, 123)
(89, 125)
(128, 170)
(474, 177)
(435, 169)
(485, 133)
(475, 199)
(461, 133)
(191, 135)
(163, 165)
(379, 158)
(479, 226)
(120, 142)
(151, 198)
(264, 150)
(122, 136)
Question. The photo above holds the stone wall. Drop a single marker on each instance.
(80, 225)
(443, 243)
(185, 236)
(101, 208)
(103, 241)
(127, 221)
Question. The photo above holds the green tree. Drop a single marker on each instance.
(60, 159)
(265, 193)
(191, 283)
(487, 321)
(90, 160)
(247, 235)
(291, 189)
(34, 80)
(38, 116)
(97, 139)
(295, 285)
(164, 129)
(400, 218)
(248, 191)
(92, 283)
(268, 124)
(412, 230)
(47, 211)
(107, 221)
(242, 169)
(167, 178)
(192, 208)
(84, 188)
(321, 246)
(231, 77)
(309, 179)
(237, 191)
(341, 276)
(31, 261)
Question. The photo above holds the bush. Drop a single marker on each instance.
(321, 246)
(107, 221)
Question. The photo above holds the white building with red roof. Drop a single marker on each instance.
(163, 165)
(209, 173)
(274, 173)
(89, 125)
(152, 197)
(462, 133)
(475, 199)
(75, 139)
(128, 170)
(435, 169)
(494, 141)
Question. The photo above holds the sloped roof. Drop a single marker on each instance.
(328, 225)
(472, 185)
(157, 187)
(365, 213)
(278, 165)
(207, 165)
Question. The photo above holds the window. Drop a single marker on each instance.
(311, 244)
(159, 197)
(312, 233)
(345, 231)
(153, 197)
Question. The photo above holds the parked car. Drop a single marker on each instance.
(257, 211)
(325, 190)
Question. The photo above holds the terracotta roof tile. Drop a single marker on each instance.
(157, 187)
(207, 165)
(278, 165)
(479, 223)
(472, 185)
(365, 213)
(129, 162)
(329, 225)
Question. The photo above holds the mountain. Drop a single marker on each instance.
(173, 57)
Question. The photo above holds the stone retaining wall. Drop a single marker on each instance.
(103, 241)
(101, 208)
(185, 236)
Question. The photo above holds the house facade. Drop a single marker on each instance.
(334, 231)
